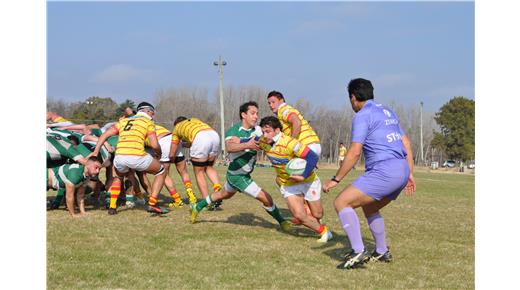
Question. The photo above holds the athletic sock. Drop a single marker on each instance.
(203, 203)
(152, 201)
(130, 198)
(376, 223)
(217, 187)
(275, 213)
(115, 189)
(350, 222)
(322, 230)
(175, 195)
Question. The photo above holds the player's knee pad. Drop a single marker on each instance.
(199, 163)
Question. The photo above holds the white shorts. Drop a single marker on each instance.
(311, 191)
(123, 163)
(341, 158)
(165, 143)
(316, 148)
(206, 144)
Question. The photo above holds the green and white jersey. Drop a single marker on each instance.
(59, 149)
(69, 173)
(243, 162)
(65, 133)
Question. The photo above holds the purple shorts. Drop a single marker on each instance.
(386, 178)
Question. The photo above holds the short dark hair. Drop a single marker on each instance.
(94, 159)
(245, 106)
(275, 94)
(271, 121)
(179, 119)
(340, 143)
(75, 140)
(361, 89)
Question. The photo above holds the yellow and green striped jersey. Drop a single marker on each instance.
(188, 129)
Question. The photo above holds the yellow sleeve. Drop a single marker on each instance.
(175, 135)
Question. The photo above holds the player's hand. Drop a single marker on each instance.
(252, 144)
(410, 186)
(328, 185)
(297, 178)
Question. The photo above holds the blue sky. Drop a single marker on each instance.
(411, 51)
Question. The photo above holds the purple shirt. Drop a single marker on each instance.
(377, 128)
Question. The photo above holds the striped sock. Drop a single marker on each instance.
(115, 189)
(152, 201)
(217, 187)
(187, 184)
(322, 230)
(175, 195)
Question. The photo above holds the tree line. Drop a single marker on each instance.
(447, 134)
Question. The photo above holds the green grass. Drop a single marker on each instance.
(431, 236)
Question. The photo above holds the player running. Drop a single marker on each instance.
(242, 148)
(204, 142)
(297, 189)
(389, 169)
(130, 153)
(70, 179)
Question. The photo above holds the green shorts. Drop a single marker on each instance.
(242, 183)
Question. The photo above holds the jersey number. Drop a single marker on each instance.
(128, 125)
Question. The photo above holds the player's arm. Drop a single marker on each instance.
(80, 195)
(310, 156)
(101, 140)
(410, 186)
(154, 143)
(173, 147)
(296, 125)
(69, 198)
(351, 158)
(235, 144)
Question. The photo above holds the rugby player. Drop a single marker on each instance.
(71, 179)
(242, 148)
(296, 189)
(130, 153)
(204, 145)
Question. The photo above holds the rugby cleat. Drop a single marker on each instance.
(353, 260)
(327, 236)
(177, 203)
(376, 257)
(156, 209)
(112, 211)
(217, 204)
(286, 226)
(194, 212)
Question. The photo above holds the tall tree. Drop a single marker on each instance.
(456, 119)
(95, 110)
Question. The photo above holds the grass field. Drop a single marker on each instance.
(431, 236)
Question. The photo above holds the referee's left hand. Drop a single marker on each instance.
(328, 185)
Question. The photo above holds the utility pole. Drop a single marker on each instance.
(422, 153)
(221, 63)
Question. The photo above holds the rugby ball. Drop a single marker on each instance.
(295, 166)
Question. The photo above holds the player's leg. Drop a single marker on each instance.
(170, 186)
(121, 169)
(376, 223)
(345, 203)
(154, 167)
(295, 203)
(211, 199)
(180, 165)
